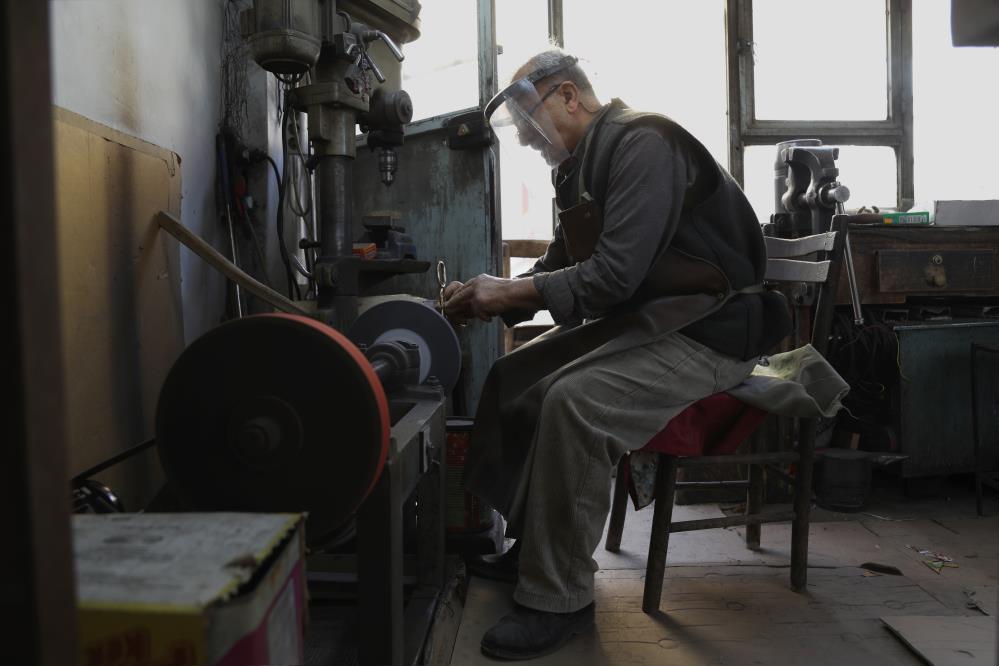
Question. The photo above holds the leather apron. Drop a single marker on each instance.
(689, 289)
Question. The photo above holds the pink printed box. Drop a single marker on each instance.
(191, 589)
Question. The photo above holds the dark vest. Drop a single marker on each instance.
(717, 245)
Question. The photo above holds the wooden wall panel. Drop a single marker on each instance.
(120, 294)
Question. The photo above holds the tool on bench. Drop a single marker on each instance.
(808, 193)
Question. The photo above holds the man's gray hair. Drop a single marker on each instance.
(551, 58)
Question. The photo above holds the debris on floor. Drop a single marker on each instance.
(935, 561)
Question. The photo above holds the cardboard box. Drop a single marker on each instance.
(972, 213)
(192, 589)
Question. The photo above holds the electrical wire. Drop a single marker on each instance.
(274, 168)
(257, 246)
(291, 180)
(867, 358)
(295, 203)
(293, 289)
(295, 166)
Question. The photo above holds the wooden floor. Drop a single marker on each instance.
(724, 604)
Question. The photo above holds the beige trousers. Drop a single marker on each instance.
(589, 417)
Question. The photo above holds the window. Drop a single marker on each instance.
(803, 41)
(664, 56)
(869, 172)
(686, 37)
(803, 69)
(956, 99)
(522, 30)
(441, 71)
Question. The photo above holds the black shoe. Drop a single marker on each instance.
(502, 567)
(527, 633)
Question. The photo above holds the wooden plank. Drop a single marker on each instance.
(527, 248)
(216, 260)
(120, 294)
(947, 641)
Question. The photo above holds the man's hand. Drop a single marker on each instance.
(480, 297)
(450, 290)
(486, 296)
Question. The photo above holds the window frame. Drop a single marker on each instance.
(745, 129)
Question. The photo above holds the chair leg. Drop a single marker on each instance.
(975, 436)
(755, 495)
(619, 507)
(802, 506)
(655, 568)
(978, 494)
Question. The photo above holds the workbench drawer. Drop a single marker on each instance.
(922, 271)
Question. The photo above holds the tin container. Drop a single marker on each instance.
(465, 512)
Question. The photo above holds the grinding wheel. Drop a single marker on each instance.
(419, 324)
(274, 413)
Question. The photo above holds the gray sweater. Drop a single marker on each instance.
(658, 188)
(649, 176)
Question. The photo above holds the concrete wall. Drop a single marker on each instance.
(150, 68)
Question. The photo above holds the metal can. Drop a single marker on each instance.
(465, 511)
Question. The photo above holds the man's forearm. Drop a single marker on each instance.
(521, 294)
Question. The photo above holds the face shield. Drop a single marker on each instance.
(518, 114)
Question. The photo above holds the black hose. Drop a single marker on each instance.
(113, 460)
(274, 168)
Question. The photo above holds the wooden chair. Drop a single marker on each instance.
(780, 269)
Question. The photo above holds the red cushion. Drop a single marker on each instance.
(715, 425)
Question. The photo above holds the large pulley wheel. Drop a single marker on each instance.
(274, 413)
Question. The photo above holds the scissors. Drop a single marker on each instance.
(442, 281)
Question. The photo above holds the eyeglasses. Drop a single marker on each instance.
(524, 132)
(544, 97)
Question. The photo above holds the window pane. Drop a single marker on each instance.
(441, 71)
(955, 111)
(526, 190)
(671, 59)
(525, 179)
(868, 171)
(521, 32)
(871, 173)
(817, 60)
(694, 95)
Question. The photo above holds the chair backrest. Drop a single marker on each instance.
(824, 269)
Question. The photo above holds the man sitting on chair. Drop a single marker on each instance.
(654, 276)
